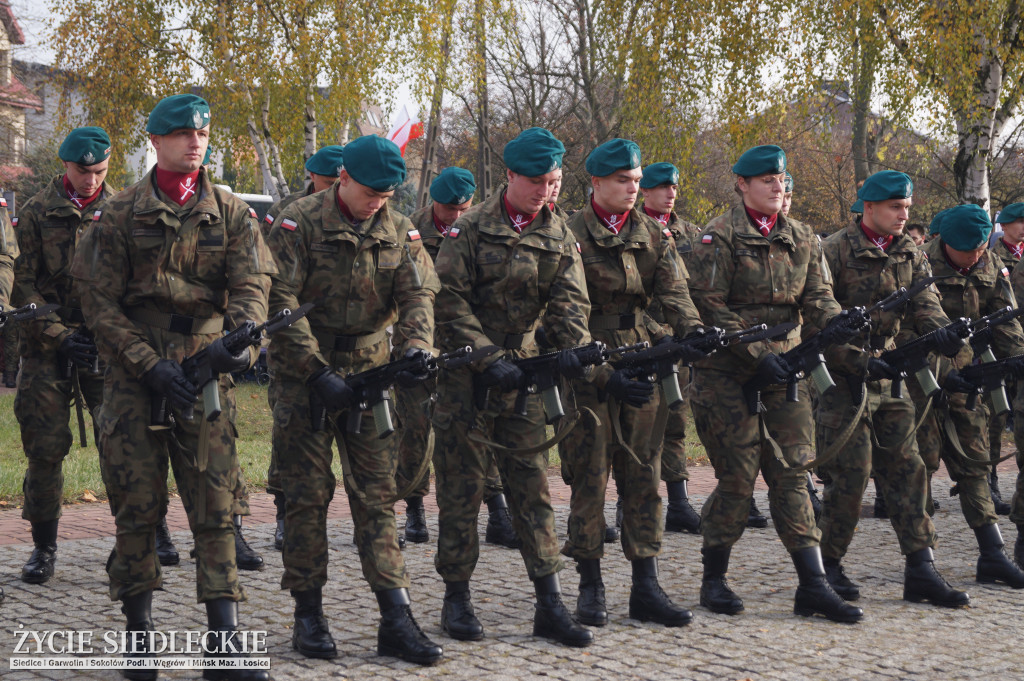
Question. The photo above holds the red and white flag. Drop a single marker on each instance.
(404, 129)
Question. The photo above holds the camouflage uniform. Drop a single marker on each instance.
(158, 282)
(363, 277)
(625, 273)
(1004, 257)
(48, 227)
(497, 286)
(1017, 503)
(979, 293)
(739, 278)
(863, 274)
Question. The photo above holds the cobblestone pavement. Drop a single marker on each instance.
(896, 640)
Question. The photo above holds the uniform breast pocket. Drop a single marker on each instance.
(547, 270)
(388, 261)
(210, 254)
(56, 246)
(491, 264)
(904, 273)
(750, 268)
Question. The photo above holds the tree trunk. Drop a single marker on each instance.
(864, 60)
(309, 128)
(428, 169)
(976, 131)
(277, 172)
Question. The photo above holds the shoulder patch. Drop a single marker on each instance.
(252, 211)
(3, 202)
(269, 219)
(97, 214)
(414, 235)
(14, 222)
(667, 232)
(706, 239)
(1005, 272)
(454, 232)
(579, 249)
(289, 224)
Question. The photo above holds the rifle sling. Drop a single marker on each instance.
(829, 454)
(76, 396)
(560, 434)
(950, 434)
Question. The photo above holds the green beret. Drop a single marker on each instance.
(616, 154)
(761, 160)
(885, 185)
(965, 228)
(1012, 213)
(936, 223)
(857, 207)
(326, 161)
(177, 112)
(658, 174)
(209, 153)
(453, 185)
(85, 146)
(375, 162)
(787, 186)
(534, 152)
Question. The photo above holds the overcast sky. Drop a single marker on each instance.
(34, 18)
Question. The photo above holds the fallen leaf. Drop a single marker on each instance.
(88, 496)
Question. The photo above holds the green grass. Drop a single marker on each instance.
(82, 472)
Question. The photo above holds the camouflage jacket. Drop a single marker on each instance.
(1004, 257)
(48, 227)
(683, 231)
(739, 278)
(423, 221)
(278, 208)
(497, 281)
(361, 277)
(864, 274)
(140, 255)
(984, 290)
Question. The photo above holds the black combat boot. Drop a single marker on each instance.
(715, 594)
(138, 618)
(993, 563)
(840, 583)
(416, 521)
(590, 604)
(245, 557)
(756, 518)
(922, 582)
(399, 635)
(551, 618)
(166, 553)
(222, 616)
(648, 602)
(1002, 508)
(812, 492)
(815, 596)
(499, 524)
(279, 518)
(311, 635)
(880, 511)
(39, 567)
(1018, 548)
(458, 619)
(680, 516)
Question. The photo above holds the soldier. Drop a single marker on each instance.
(1012, 220)
(553, 200)
(751, 266)
(60, 356)
(365, 266)
(323, 171)
(916, 231)
(161, 266)
(506, 265)
(659, 185)
(451, 193)
(972, 285)
(629, 260)
(870, 259)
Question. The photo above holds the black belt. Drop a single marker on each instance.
(176, 323)
(71, 315)
(509, 341)
(342, 343)
(614, 322)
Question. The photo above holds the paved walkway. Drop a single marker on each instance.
(897, 640)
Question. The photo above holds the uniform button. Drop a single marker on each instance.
(172, 278)
(177, 238)
(628, 267)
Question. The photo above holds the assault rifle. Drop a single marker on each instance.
(991, 377)
(371, 389)
(198, 371)
(26, 313)
(540, 375)
(982, 337)
(661, 362)
(912, 358)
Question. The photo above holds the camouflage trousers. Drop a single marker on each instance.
(134, 461)
(43, 409)
(898, 468)
(733, 441)
(591, 451)
(413, 407)
(673, 445)
(460, 465)
(304, 463)
(1017, 503)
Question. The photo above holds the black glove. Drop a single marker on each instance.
(947, 342)
(409, 378)
(79, 349)
(624, 389)
(332, 390)
(223, 362)
(167, 378)
(1016, 368)
(664, 340)
(540, 335)
(773, 370)
(570, 366)
(843, 328)
(955, 383)
(878, 368)
(503, 374)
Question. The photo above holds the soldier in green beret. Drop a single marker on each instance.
(506, 266)
(59, 355)
(162, 268)
(870, 259)
(365, 267)
(753, 265)
(630, 260)
(1011, 219)
(787, 197)
(971, 285)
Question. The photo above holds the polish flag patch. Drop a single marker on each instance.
(414, 235)
(269, 219)
(454, 232)
(706, 239)
(579, 249)
(3, 202)
(14, 222)
(1005, 272)
(252, 211)
(289, 224)
(97, 214)
(667, 232)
